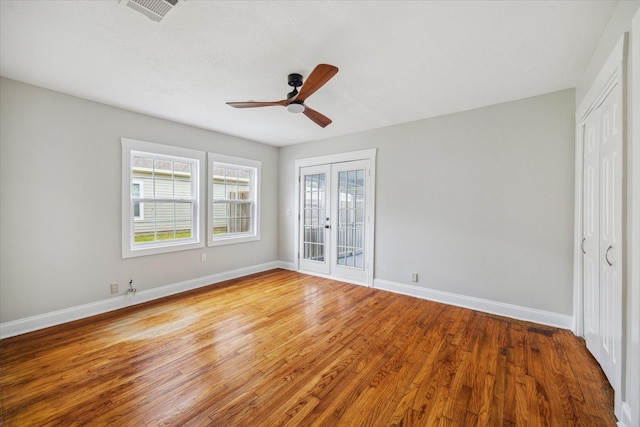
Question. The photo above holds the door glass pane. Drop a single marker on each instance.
(350, 242)
(313, 217)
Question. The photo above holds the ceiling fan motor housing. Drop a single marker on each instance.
(295, 80)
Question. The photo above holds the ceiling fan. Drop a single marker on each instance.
(295, 100)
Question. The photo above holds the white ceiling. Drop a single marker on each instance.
(398, 61)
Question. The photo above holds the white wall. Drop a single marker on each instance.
(479, 203)
(60, 176)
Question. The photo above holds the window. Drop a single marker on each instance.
(161, 206)
(233, 199)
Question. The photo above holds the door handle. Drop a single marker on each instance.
(606, 255)
(582, 245)
(327, 226)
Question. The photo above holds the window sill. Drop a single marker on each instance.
(160, 249)
(220, 241)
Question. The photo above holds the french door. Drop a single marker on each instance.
(314, 219)
(335, 212)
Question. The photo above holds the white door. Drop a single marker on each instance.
(591, 233)
(602, 234)
(336, 204)
(349, 224)
(611, 235)
(314, 211)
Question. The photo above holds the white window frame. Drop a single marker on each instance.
(132, 146)
(254, 191)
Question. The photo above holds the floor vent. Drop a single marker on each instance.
(153, 9)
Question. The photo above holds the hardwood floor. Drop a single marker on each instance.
(280, 348)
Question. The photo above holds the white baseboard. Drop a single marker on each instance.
(286, 265)
(502, 309)
(33, 323)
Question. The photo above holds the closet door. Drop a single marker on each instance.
(602, 234)
(591, 233)
(601, 194)
(611, 234)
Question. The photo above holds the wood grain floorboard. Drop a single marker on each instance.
(282, 348)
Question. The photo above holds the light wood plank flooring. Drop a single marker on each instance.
(282, 348)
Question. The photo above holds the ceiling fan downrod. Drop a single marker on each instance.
(295, 80)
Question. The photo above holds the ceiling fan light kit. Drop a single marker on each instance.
(295, 100)
(295, 107)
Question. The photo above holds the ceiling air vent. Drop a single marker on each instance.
(153, 9)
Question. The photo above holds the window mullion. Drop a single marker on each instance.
(161, 200)
(233, 201)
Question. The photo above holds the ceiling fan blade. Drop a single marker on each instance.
(318, 77)
(319, 119)
(252, 104)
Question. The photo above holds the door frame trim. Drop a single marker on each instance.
(368, 154)
(631, 403)
(612, 75)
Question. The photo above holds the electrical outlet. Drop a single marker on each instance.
(414, 277)
(114, 288)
